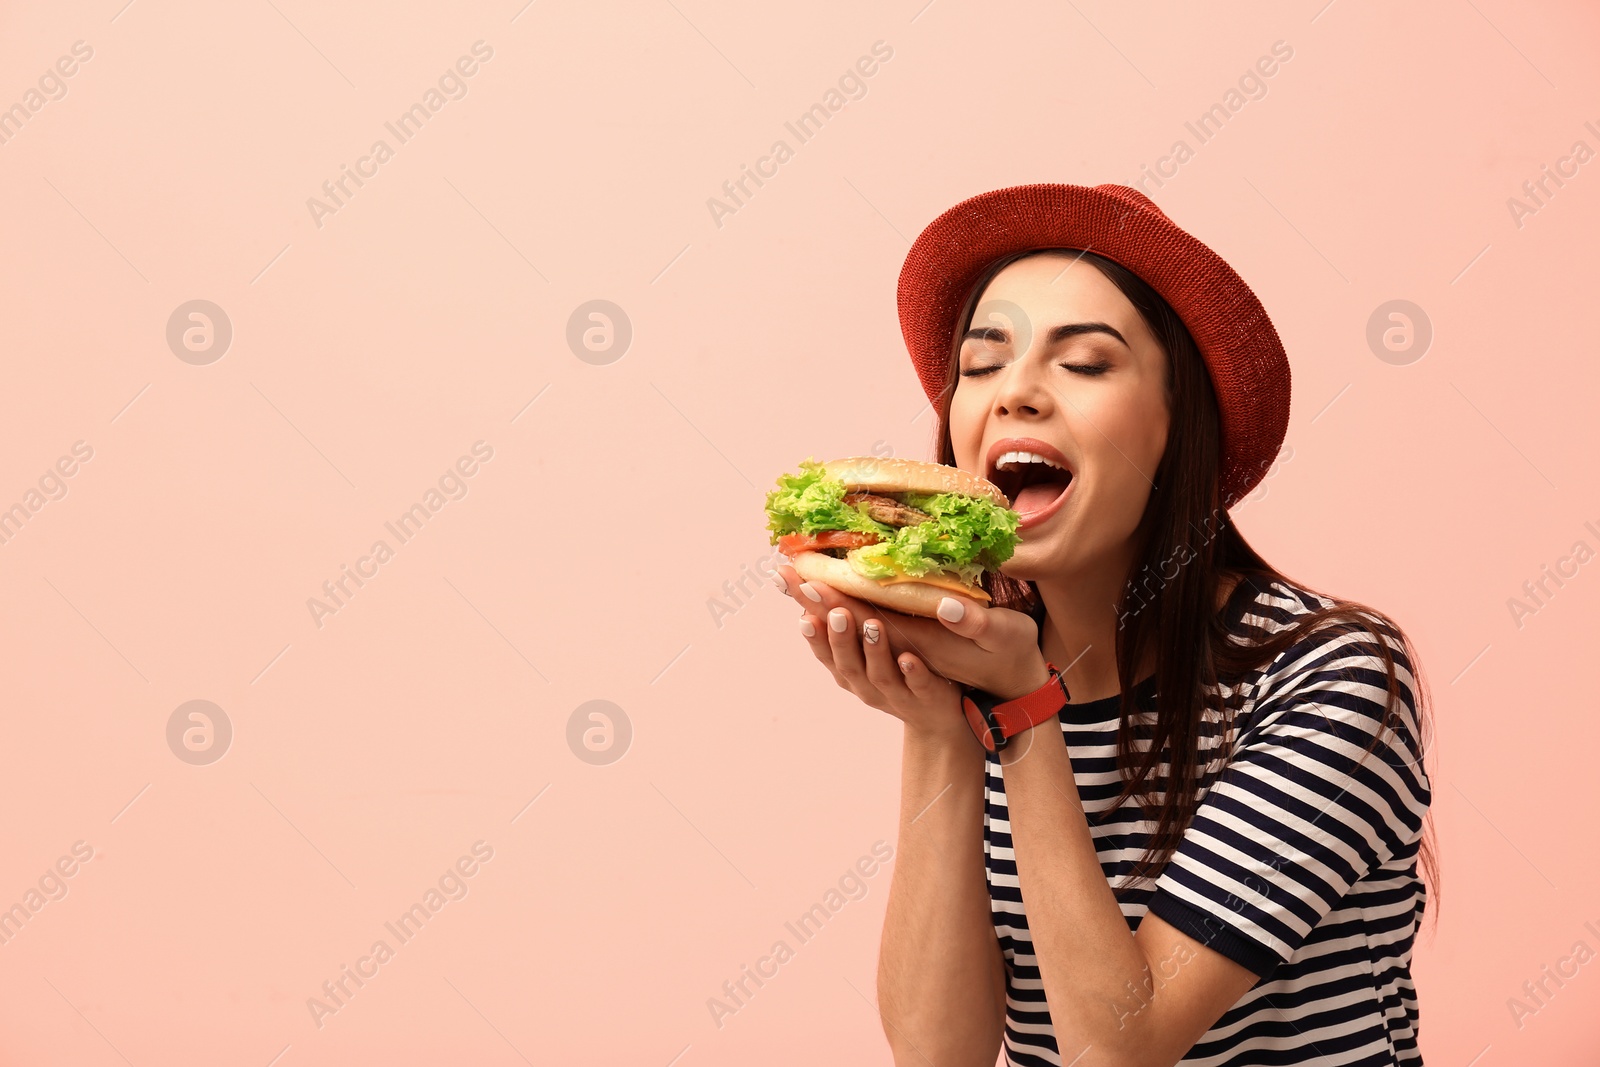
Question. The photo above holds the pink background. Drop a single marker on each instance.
(368, 354)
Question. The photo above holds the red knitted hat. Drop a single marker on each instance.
(1249, 369)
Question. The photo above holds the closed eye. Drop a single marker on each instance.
(1088, 369)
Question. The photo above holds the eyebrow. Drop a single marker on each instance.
(1057, 335)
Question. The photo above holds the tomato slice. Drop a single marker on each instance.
(793, 544)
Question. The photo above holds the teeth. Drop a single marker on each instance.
(1015, 459)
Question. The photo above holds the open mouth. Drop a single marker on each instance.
(1032, 481)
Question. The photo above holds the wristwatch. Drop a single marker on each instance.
(995, 721)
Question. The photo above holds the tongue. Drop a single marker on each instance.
(1037, 496)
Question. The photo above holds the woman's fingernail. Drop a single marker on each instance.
(905, 666)
(810, 591)
(870, 632)
(951, 609)
(777, 580)
(838, 620)
(806, 627)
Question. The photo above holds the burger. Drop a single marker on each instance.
(898, 533)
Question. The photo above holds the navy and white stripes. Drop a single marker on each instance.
(1300, 863)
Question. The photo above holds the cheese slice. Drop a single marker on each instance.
(937, 581)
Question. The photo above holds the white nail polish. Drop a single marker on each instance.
(777, 581)
(837, 620)
(951, 609)
(806, 627)
(870, 632)
(810, 592)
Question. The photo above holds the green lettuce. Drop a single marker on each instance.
(964, 537)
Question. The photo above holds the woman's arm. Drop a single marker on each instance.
(1116, 1000)
(941, 978)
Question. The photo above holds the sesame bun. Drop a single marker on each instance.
(913, 598)
(887, 474)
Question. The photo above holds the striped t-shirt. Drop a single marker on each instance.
(1297, 864)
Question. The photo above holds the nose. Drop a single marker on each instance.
(1024, 389)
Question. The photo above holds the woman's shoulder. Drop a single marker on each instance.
(1308, 645)
(1261, 606)
(1268, 605)
(1339, 662)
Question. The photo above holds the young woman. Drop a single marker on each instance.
(1210, 854)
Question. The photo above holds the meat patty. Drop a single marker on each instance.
(888, 510)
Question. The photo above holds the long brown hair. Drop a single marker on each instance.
(1177, 614)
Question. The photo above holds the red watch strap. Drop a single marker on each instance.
(1021, 713)
(975, 720)
(1031, 709)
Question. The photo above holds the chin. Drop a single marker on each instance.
(1053, 555)
(1029, 564)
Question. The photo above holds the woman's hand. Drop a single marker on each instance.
(993, 649)
(854, 640)
(971, 643)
